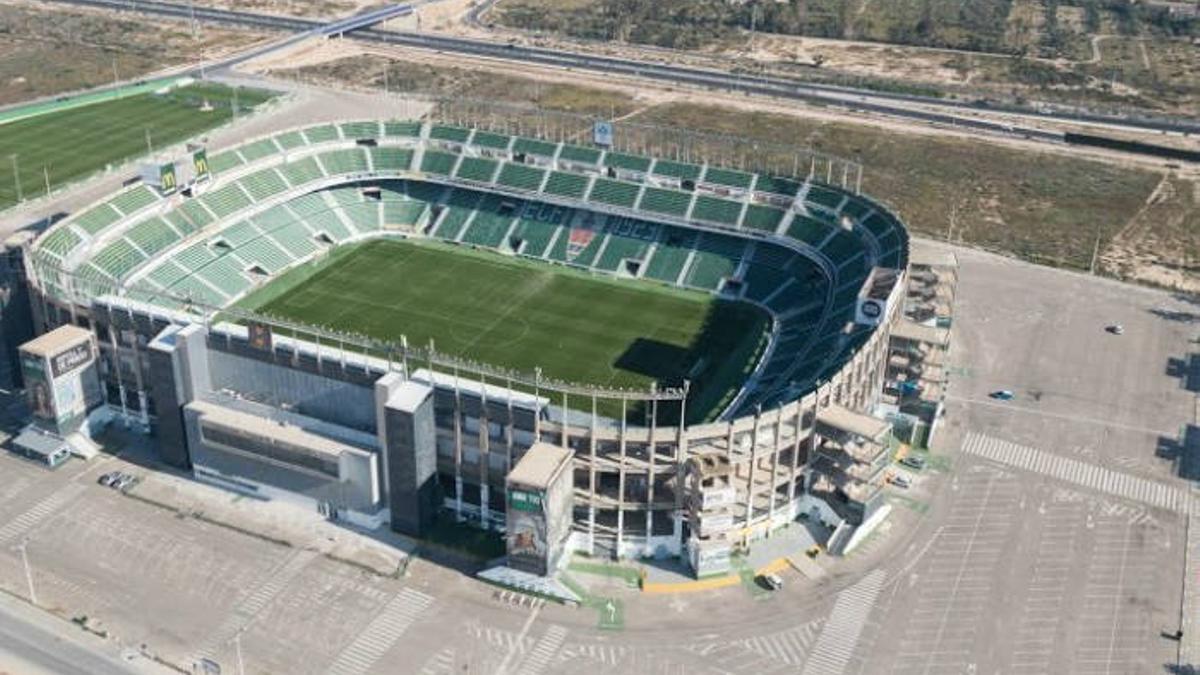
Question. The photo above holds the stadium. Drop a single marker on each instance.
(392, 321)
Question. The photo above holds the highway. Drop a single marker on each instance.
(31, 645)
(920, 108)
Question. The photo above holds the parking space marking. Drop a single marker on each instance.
(839, 636)
(1113, 636)
(544, 651)
(441, 663)
(1080, 473)
(788, 646)
(373, 642)
(1053, 569)
(247, 609)
(39, 512)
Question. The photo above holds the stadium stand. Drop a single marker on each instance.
(615, 193)
(570, 185)
(764, 218)
(579, 154)
(716, 210)
(728, 178)
(213, 248)
(671, 202)
(520, 177)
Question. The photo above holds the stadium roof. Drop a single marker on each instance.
(57, 340)
(844, 419)
(911, 330)
(539, 466)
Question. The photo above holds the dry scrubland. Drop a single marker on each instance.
(1121, 55)
(368, 71)
(50, 52)
(1041, 206)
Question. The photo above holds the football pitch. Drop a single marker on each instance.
(71, 144)
(521, 315)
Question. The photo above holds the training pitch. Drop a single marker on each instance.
(522, 315)
(63, 146)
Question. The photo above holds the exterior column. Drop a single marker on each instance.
(750, 475)
(458, 454)
(592, 482)
(796, 438)
(774, 464)
(484, 442)
(650, 475)
(681, 457)
(621, 484)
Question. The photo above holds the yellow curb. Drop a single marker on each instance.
(774, 567)
(692, 586)
(699, 585)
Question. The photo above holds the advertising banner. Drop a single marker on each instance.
(200, 164)
(37, 389)
(71, 359)
(166, 178)
(527, 545)
(602, 134)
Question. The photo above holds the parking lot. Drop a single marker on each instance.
(1045, 536)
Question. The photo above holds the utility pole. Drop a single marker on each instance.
(46, 174)
(16, 177)
(28, 570)
(237, 645)
(149, 145)
(192, 13)
(116, 77)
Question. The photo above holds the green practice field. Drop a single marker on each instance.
(523, 315)
(72, 144)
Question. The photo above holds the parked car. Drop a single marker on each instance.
(900, 481)
(1002, 395)
(1115, 329)
(125, 482)
(108, 478)
(913, 461)
(771, 581)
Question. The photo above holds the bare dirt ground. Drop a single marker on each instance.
(1048, 205)
(45, 52)
(1153, 73)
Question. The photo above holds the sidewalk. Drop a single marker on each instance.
(33, 641)
(770, 555)
(380, 551)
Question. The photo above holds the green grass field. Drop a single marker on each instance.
(73, 144)
(524, 315)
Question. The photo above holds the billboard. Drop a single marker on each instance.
(200, 164)
(37, 388)
(75, 357)
(527, 536)
(259, 335)
(56, 401)
(166, 178)
(602, 134)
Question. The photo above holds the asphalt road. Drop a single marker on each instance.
(27, 646)
(894, 104)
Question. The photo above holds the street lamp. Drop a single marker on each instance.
(16, 176)
(28, 570)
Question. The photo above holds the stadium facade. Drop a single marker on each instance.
(385, 432)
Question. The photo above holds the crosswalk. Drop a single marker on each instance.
(254, 603)
(383, 632)
(544, 651)
(39, 512)
(1083, 474)
(789, 646)
(839, 637)
(441, 663)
